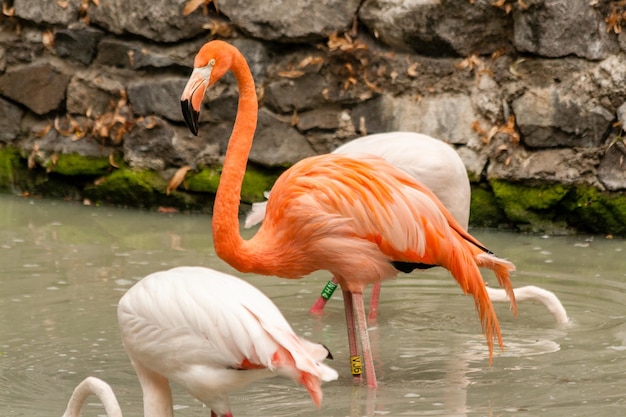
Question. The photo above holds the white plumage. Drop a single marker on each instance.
(212, 333)
(437, 165)
(431, 161)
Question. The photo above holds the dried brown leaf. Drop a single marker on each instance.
(513, 67)
(112, 161)
(34, 153)
(43, 132)
(219, 27)
(412, 70)
(295, 118)
(509, 129)
(177, 179)
(192, 6)
(7, 10)
(150, 123)
(311, 60)
(58, 128)
(350, 81)
(476, 127)
(371, 85)
(63, 3)
(343, 43)
(291, 73)
(54, 159)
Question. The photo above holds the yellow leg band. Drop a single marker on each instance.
(356, 365)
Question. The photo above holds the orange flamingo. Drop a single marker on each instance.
(361, 219)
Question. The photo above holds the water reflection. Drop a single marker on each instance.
(65, 267)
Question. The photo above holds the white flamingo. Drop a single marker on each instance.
(210, 332)
(436, 165)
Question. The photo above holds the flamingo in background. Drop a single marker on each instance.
(210, 332)
(430, 161)
(437, 166)
(361, 219)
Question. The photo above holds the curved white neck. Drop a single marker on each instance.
(102, 390)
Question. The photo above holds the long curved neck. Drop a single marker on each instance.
(228, 243)
(101, 389)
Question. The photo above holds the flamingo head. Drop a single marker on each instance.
(212, 61)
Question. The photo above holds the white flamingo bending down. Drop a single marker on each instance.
(212, 333)
(436, 165)
(431, 161)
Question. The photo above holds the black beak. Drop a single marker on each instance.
(330, 355)
(191, 116)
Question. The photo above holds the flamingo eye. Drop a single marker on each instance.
(211, 62)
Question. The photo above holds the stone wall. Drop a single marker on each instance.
(531, 93)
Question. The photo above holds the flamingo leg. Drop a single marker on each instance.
(374, 301)
(327, 292)
(355, 358)
(370, 373)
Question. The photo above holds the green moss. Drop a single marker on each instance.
(485, 211)
(74, 164)
(592, 210)
(203, 181)
(9, 163)
(129, 188)
(255, 183)
(532, 208)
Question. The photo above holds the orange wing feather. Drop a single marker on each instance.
(334, 205)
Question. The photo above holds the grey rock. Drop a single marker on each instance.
(157, 20)
(448, 117)
(77, 42)
(291, 21)
(438, 27)
(565, 166)
(327, 118)
(129, 54)
(369, 117)
(285, 95)
(557, 28)
(474, 161)
(40, 87)
(47, 11)
(276, 143)
(95, 91)
(150, 145)
(157, 96)
(606, 81)
(258, 55)
(10, 117)
(612, 171)
(56, 143)
(552, 117)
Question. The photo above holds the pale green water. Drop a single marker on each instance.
(64, 267)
